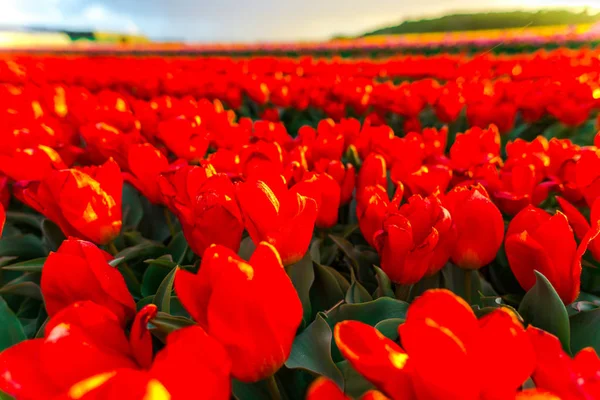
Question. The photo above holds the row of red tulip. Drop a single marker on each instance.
(68, 153)
(568, 94)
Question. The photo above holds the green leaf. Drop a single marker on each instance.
(178, 248)
(311, 351)
(165, 261)
(542, 308)
(584, 330)
(152, 279)
(356, 293)
(162, 298)
(326, 290)
(371, 313)
(53, 236)
(116, 261)
(22, 218)
(355, 385)
(247, 248)
(456, 281)
(167, 323)
(26, 246)
(389, 328)
(249, 391)
(34, 265)
(133, 211)
(315, 250)
(348, 250)
(27, 289)
(12, 331)
(302, 276)
(142, 251)
(4, 396)
(384, 285)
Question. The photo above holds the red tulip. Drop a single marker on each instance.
(476, 147)
(479, 226)
(326, 192)
(443, 348)
(87, 339)
(372, 172)
(205, 203)
(416, 241)
(325, 389)
(580, 224)
(279, 216)
(84, 203)
(145, 164)
(571, 379)
(258, 332)
(538, 241)
(80, 271)
(30, 164)
(104, 142)
(185, 137)
(372, 206)
(344, 176)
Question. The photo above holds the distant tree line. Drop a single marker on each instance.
(491, 20)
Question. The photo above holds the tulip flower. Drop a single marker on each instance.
(145, 164)
(326, 192)
(345, 176)
(479, 226)
(325, 389)
(537, 241)
(279, 216)
(4, 192)
(205, 203)
(258, 332)
(587, 175)
(372, 172)
(416, 241)
(558, 373)
(185, 137)
(31, 164)
(372, 206)
(476, 147)
(443, 348)
(87, 339)
(98, 361)
(84, 203)
(104, 142)
(580, 224)
(79, 271)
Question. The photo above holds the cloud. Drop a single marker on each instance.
(235, 20)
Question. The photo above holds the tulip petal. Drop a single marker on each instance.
(377, 358)
(447, 310)
(324, 389)
(21, 372)
(189, 354)
(576, 219)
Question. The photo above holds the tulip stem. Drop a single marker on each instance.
(273, 388)
(403, 291)
(468, 286)
(112, 249)
(169, 221)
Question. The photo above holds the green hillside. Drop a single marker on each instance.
(491, 20)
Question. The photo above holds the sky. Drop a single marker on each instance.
(244, 20)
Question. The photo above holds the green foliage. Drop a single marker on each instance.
(491, 20)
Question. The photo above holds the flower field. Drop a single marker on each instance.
(416, 227)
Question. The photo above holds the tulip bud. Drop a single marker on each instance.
(80, 271)
(84, 203)
(537, 241)
(479, 226)
(258, 332)
(279, 216)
